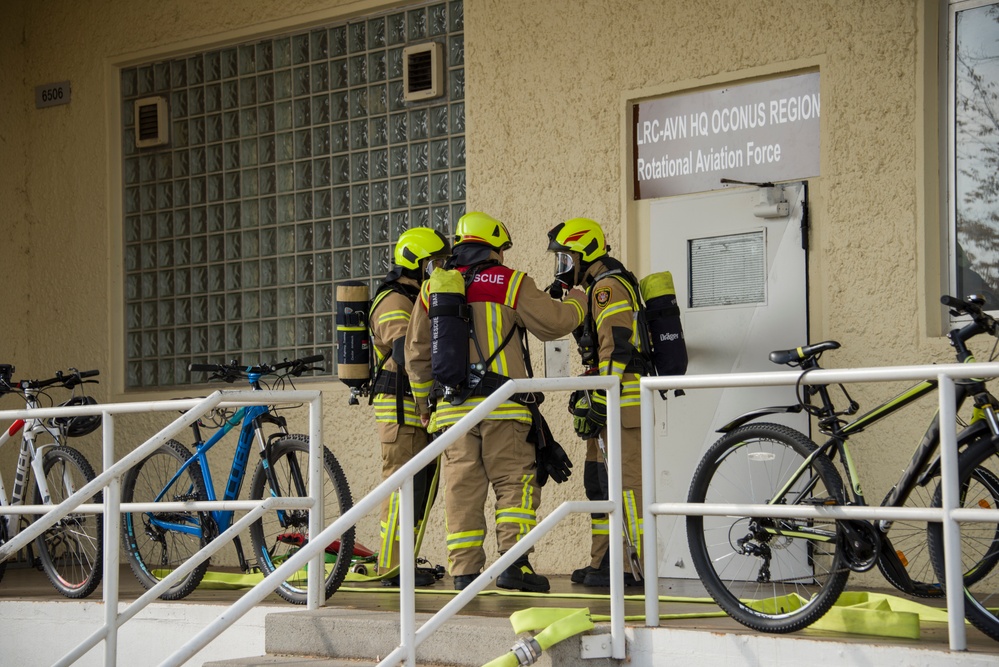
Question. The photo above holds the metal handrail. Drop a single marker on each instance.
(411, 637)
(950, 514)
(402, 478)
(110, 481)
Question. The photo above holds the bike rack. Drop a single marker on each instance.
(950, 514)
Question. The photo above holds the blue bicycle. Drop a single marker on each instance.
(159, 542)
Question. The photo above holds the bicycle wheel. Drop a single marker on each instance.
(979, 541)
(911, 548)
(279, 534)
(159, 542)
(772, 575)
(72, 550)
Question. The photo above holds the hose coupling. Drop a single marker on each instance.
(527, 650)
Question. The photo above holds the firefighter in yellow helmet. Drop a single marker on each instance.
(609, 344)
(504, 305)
(400, 430)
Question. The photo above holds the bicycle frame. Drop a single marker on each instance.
(27, 457)
(919, 468)
(249, 418)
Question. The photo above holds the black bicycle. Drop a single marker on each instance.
(780, 575)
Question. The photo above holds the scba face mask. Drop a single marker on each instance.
(437, 263)
(565, 268)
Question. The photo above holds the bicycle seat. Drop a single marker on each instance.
(799, 354)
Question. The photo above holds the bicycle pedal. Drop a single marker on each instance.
(291, 538)
(821, 501)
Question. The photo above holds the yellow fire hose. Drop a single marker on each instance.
(855, 612)
(555, 625)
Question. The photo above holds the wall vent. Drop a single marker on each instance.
(423, 71)
(151, 122)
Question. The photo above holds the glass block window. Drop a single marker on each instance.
(293, 163)
(728, 270)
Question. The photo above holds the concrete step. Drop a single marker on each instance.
(290, 661)
(336, 637)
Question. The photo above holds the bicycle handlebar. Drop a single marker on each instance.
(981, 322)
(234, 370)
(67, 380)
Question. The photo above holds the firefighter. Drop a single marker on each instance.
(402, 434)
(609, 343)
(504, 303)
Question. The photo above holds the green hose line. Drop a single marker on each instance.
(855, 612)
(555, 624)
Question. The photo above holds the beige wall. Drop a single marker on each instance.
(547, 87)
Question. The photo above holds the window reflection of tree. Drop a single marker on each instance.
(976, 120)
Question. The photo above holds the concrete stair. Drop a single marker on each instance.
(336, 637)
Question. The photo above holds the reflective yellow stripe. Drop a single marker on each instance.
(466, 540)
(389, 532)
(613, 309)
(494, 333)
(385, 410)
(600, 526)
(421, 389)
(448, 414)
(393, 316)
(516, 278)
(632, 522)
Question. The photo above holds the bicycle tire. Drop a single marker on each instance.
(154, 551)
(775, 581)
(71, 551)
(911, 546)
(981, 592)
(279, 534)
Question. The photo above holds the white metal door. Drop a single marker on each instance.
(741, 254)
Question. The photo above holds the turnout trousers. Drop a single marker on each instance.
(494, 453)
(400, 443)
(595, 483)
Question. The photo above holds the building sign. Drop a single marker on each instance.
(755, 132)
(52, 94)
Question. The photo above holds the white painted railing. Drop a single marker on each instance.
(950, 514)
(411, 637)
(109, 480)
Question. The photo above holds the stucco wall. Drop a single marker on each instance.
(546, 85)
(13, 179)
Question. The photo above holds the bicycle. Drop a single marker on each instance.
(71, 551)
(158, 542)
(981, 593)
(781, 575)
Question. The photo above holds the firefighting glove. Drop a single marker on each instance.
(589, 414)
(552, 461)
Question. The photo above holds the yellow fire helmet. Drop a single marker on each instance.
(420, 243)
(580, 235)
(478, 227)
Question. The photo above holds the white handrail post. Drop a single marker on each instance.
(316, 579)
(112, 528)
(616, 495)
(651, 536)
(407, 572)
(952, 531)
